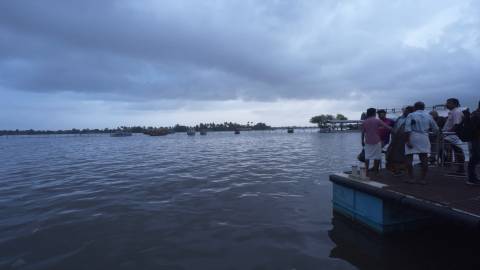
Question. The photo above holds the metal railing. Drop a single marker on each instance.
(447, 150)
(438, 107)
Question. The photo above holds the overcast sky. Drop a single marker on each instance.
(95, 64)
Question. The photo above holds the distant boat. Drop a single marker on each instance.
(157, 132)
(203, 132)
(120, 134)
(237, 131)
(290, 130)
(191, 132)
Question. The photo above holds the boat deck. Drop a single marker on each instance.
(446, 196)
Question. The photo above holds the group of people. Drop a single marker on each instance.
(419, 132)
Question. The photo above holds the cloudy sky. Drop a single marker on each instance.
(91, 63)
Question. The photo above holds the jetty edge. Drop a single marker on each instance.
(386, 208)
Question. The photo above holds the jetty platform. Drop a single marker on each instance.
(387, 204)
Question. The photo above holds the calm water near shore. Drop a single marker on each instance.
(258, 200)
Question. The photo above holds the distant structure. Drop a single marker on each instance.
(343, 125)
(396, 112)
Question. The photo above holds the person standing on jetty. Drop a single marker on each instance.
(383, 132)
(396, 149)
(436, 150)
(474, 148)
(417, 126)
(455, 117)
(371, 140)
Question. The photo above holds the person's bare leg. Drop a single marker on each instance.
(376, 166)
(424, 162)
(409, 167)
(459, 158)
(367, 164)
(394, 168)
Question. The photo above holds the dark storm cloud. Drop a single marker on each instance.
(253, 50)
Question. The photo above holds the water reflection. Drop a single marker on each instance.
(443, 247)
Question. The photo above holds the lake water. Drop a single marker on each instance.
(258, 200)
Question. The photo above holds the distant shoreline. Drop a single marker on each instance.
(55, 133)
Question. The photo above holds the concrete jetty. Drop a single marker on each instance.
(386, 204)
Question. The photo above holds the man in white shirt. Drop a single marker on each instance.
(417, 126)
(455, 117)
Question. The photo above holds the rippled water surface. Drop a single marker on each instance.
(258, 200)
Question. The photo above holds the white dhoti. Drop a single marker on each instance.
(373, 151)
(420, 144)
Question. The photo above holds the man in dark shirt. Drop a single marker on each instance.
(437, 151)
(383, 132)
(438, 119)
(474, 147)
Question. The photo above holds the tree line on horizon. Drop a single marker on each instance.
(226, 126)
(323, 119)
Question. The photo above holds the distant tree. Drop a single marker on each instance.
(260, 126)
(137, 129)
(321, 120)
(341, 117)
(179, 128)
(226, 126)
